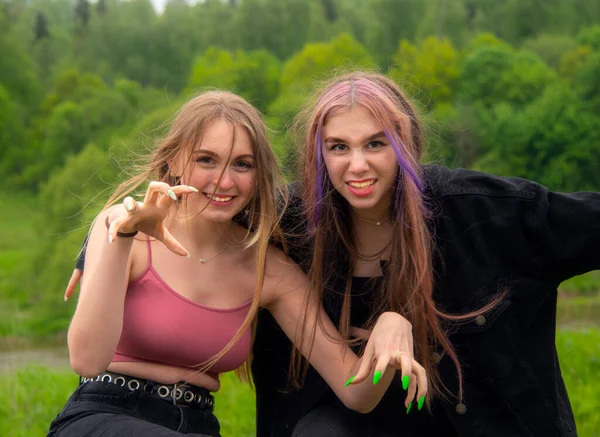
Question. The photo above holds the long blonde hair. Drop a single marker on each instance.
(262, 215)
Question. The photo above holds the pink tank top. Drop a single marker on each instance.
(162, 326)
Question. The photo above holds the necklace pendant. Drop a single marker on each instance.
(202, 260)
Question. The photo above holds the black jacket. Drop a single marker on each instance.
(492, 234)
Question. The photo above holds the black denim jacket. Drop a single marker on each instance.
(492, 234)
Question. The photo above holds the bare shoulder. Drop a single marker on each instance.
(282, 276)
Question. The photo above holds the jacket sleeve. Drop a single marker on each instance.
(566, 229)
(81, 258)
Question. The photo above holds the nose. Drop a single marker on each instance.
(226, 182)
(358, 162)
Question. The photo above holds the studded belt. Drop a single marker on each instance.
(179, 393)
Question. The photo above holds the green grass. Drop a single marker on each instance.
(579, 352)
(30, 397)
(583, 284)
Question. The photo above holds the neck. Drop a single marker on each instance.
(379, 214)
(202, 233)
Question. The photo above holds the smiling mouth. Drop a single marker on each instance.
(215, 198)
(361, 184)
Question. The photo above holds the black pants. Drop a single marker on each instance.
(325, 421)
(101, 409)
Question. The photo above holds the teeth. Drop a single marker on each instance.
(219, 199)
(361, 184)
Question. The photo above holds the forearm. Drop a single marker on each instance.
(96, 326)
(363, 397)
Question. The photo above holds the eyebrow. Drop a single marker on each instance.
(214, 155)
(366, 140)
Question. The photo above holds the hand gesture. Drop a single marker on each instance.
(390, 343)
(149, 216)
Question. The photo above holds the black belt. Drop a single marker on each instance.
(179, 393)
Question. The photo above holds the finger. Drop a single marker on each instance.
(172, 244)
(131, 205)
(174, 193)
(405, 362)
(73, 281)
(423, 388)
(381, 364)
(156, 189)
(412, 390)
(360, 333)
(365, 367)
(115, 226)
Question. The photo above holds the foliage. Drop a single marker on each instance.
(253, 75)
(494, 74)
(432, 69)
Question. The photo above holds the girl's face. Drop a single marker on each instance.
(209, 161)
(360, 160)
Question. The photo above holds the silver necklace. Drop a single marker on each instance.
(202, 259)
(377, 223)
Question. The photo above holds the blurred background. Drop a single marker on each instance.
(511, 87)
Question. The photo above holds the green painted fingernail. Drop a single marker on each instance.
(172, 194)
(408, 408)
(421, 402)
(349, 381)
(405, 382)
(194, 189)
(376, 377)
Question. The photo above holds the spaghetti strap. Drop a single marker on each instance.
(149, 245)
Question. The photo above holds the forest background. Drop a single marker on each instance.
(510, 87)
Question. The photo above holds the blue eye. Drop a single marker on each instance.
(244, 165)
(205, 160)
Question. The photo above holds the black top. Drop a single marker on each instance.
(491, 234)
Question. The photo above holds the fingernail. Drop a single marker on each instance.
(349, 381)
(110, 240)
(421, 402)
(172, 194)
(188, 255)
(128, 203)
(194, 189)
(66, 298)
(408, 408)
(376, 377)
(405, 381)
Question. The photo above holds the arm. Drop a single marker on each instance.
(286, 288)
(96, 326)
(98, 320)
(566, 230)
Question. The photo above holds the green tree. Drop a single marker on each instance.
(550, 48)
(572, 60)
(432, 69)
(394, 20)
(497, 74)
(587, 83)
(13, 139)
(253, 75)
(553, 140)
(590, 36)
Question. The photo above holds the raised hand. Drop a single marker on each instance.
(149, 216)
(390, 344)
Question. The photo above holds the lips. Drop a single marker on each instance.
(361, 188)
